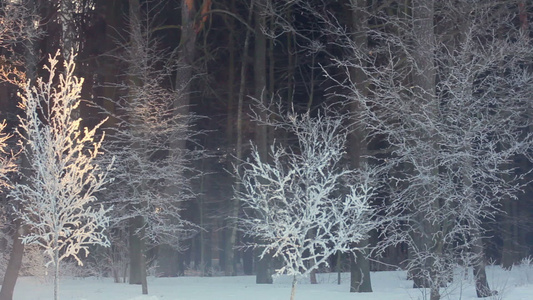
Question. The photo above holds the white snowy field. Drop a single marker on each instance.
(516, 284)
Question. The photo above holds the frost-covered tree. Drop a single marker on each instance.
(15, 25)
(303, 206)
(448, 89)
(58, 196)
(154, 169)
(7, 164)
(18, 27)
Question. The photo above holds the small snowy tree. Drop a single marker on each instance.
(304, 207)
(57, 197)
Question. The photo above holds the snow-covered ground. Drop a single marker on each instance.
(516, 284)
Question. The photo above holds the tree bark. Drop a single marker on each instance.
(359, 266)
(136, 251)
(360, 281)
(56, 272)
(293, 287)
(424, 83)
(261, 132)
(480, 275)
(167, 261)
(14, 264)
(234, 204)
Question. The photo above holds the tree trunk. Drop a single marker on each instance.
(424, 83)
(508, 232)
(338, 267)
(167, 261)
(264, 273)
(359, 264)
(137, 248)
(293, 287)
(14, 264)
(234, 204)
(360, 281)
(144, 282)
(260, 92)
(312, 276)
(56, 273)
(480, 275)
(17, 250)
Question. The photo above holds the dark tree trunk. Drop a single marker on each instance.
(424, 81)
(263, 275)
(264, 272)
(509, 234)
(167, 261)
(360, 281)
(17, 250)
(359, 265)
(312, 277)
(137, 249)
(248, 262)
(14, 264)
(234, 204)
(482, 285)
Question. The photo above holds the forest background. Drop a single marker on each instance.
(182, 83)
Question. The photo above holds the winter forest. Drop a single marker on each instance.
(262, 144)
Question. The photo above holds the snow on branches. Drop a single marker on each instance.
(154, 170)
(58, 195)
(302, 205)
(454, 121)
(7, 165)
(18, 22)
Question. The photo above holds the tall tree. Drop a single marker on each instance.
(452, 111)
(261, 93)
(19, 22)
(192, 23)
(153, 178)
(234, 203)
(360, 280)
(57, 199)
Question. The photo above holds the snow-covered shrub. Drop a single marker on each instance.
(34, 263)
(302, 205)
